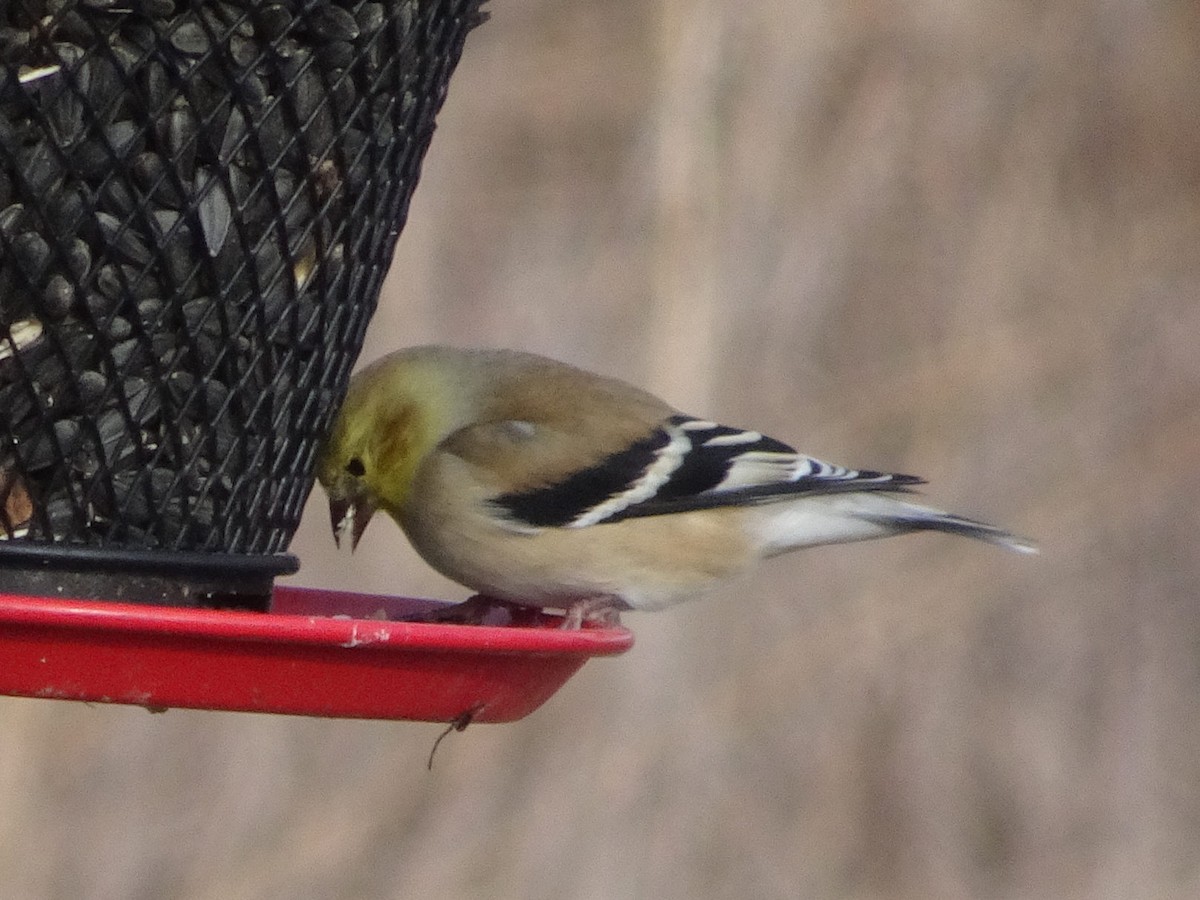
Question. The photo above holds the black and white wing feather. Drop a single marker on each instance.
(687, 464)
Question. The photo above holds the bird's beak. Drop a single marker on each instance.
(350, 516)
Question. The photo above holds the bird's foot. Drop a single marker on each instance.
(604, 611)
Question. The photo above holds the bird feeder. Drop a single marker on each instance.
(198, 204)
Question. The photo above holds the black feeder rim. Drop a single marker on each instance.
(214, 580)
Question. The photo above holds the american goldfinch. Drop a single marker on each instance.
(537, 483)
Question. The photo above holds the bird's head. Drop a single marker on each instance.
(394, 414)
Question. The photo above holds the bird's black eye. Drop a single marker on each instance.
(356, 468)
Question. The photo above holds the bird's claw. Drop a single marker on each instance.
(604, 611)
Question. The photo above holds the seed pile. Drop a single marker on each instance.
(198, 202)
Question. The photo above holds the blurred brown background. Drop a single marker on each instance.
(958, 239)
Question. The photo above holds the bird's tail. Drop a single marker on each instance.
(858, 516)
(913, 517)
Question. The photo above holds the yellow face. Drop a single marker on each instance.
(370, 451)
(387, 425)
(367, 462)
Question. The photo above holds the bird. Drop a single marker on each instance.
(539, 484)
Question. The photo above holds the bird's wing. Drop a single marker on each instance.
(683, 464)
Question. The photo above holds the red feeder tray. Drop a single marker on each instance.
(297, 659)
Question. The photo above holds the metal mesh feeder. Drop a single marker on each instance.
(198, 204)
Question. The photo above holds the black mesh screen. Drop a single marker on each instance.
(198, 203)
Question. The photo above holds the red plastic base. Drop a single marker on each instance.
(297, 659)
